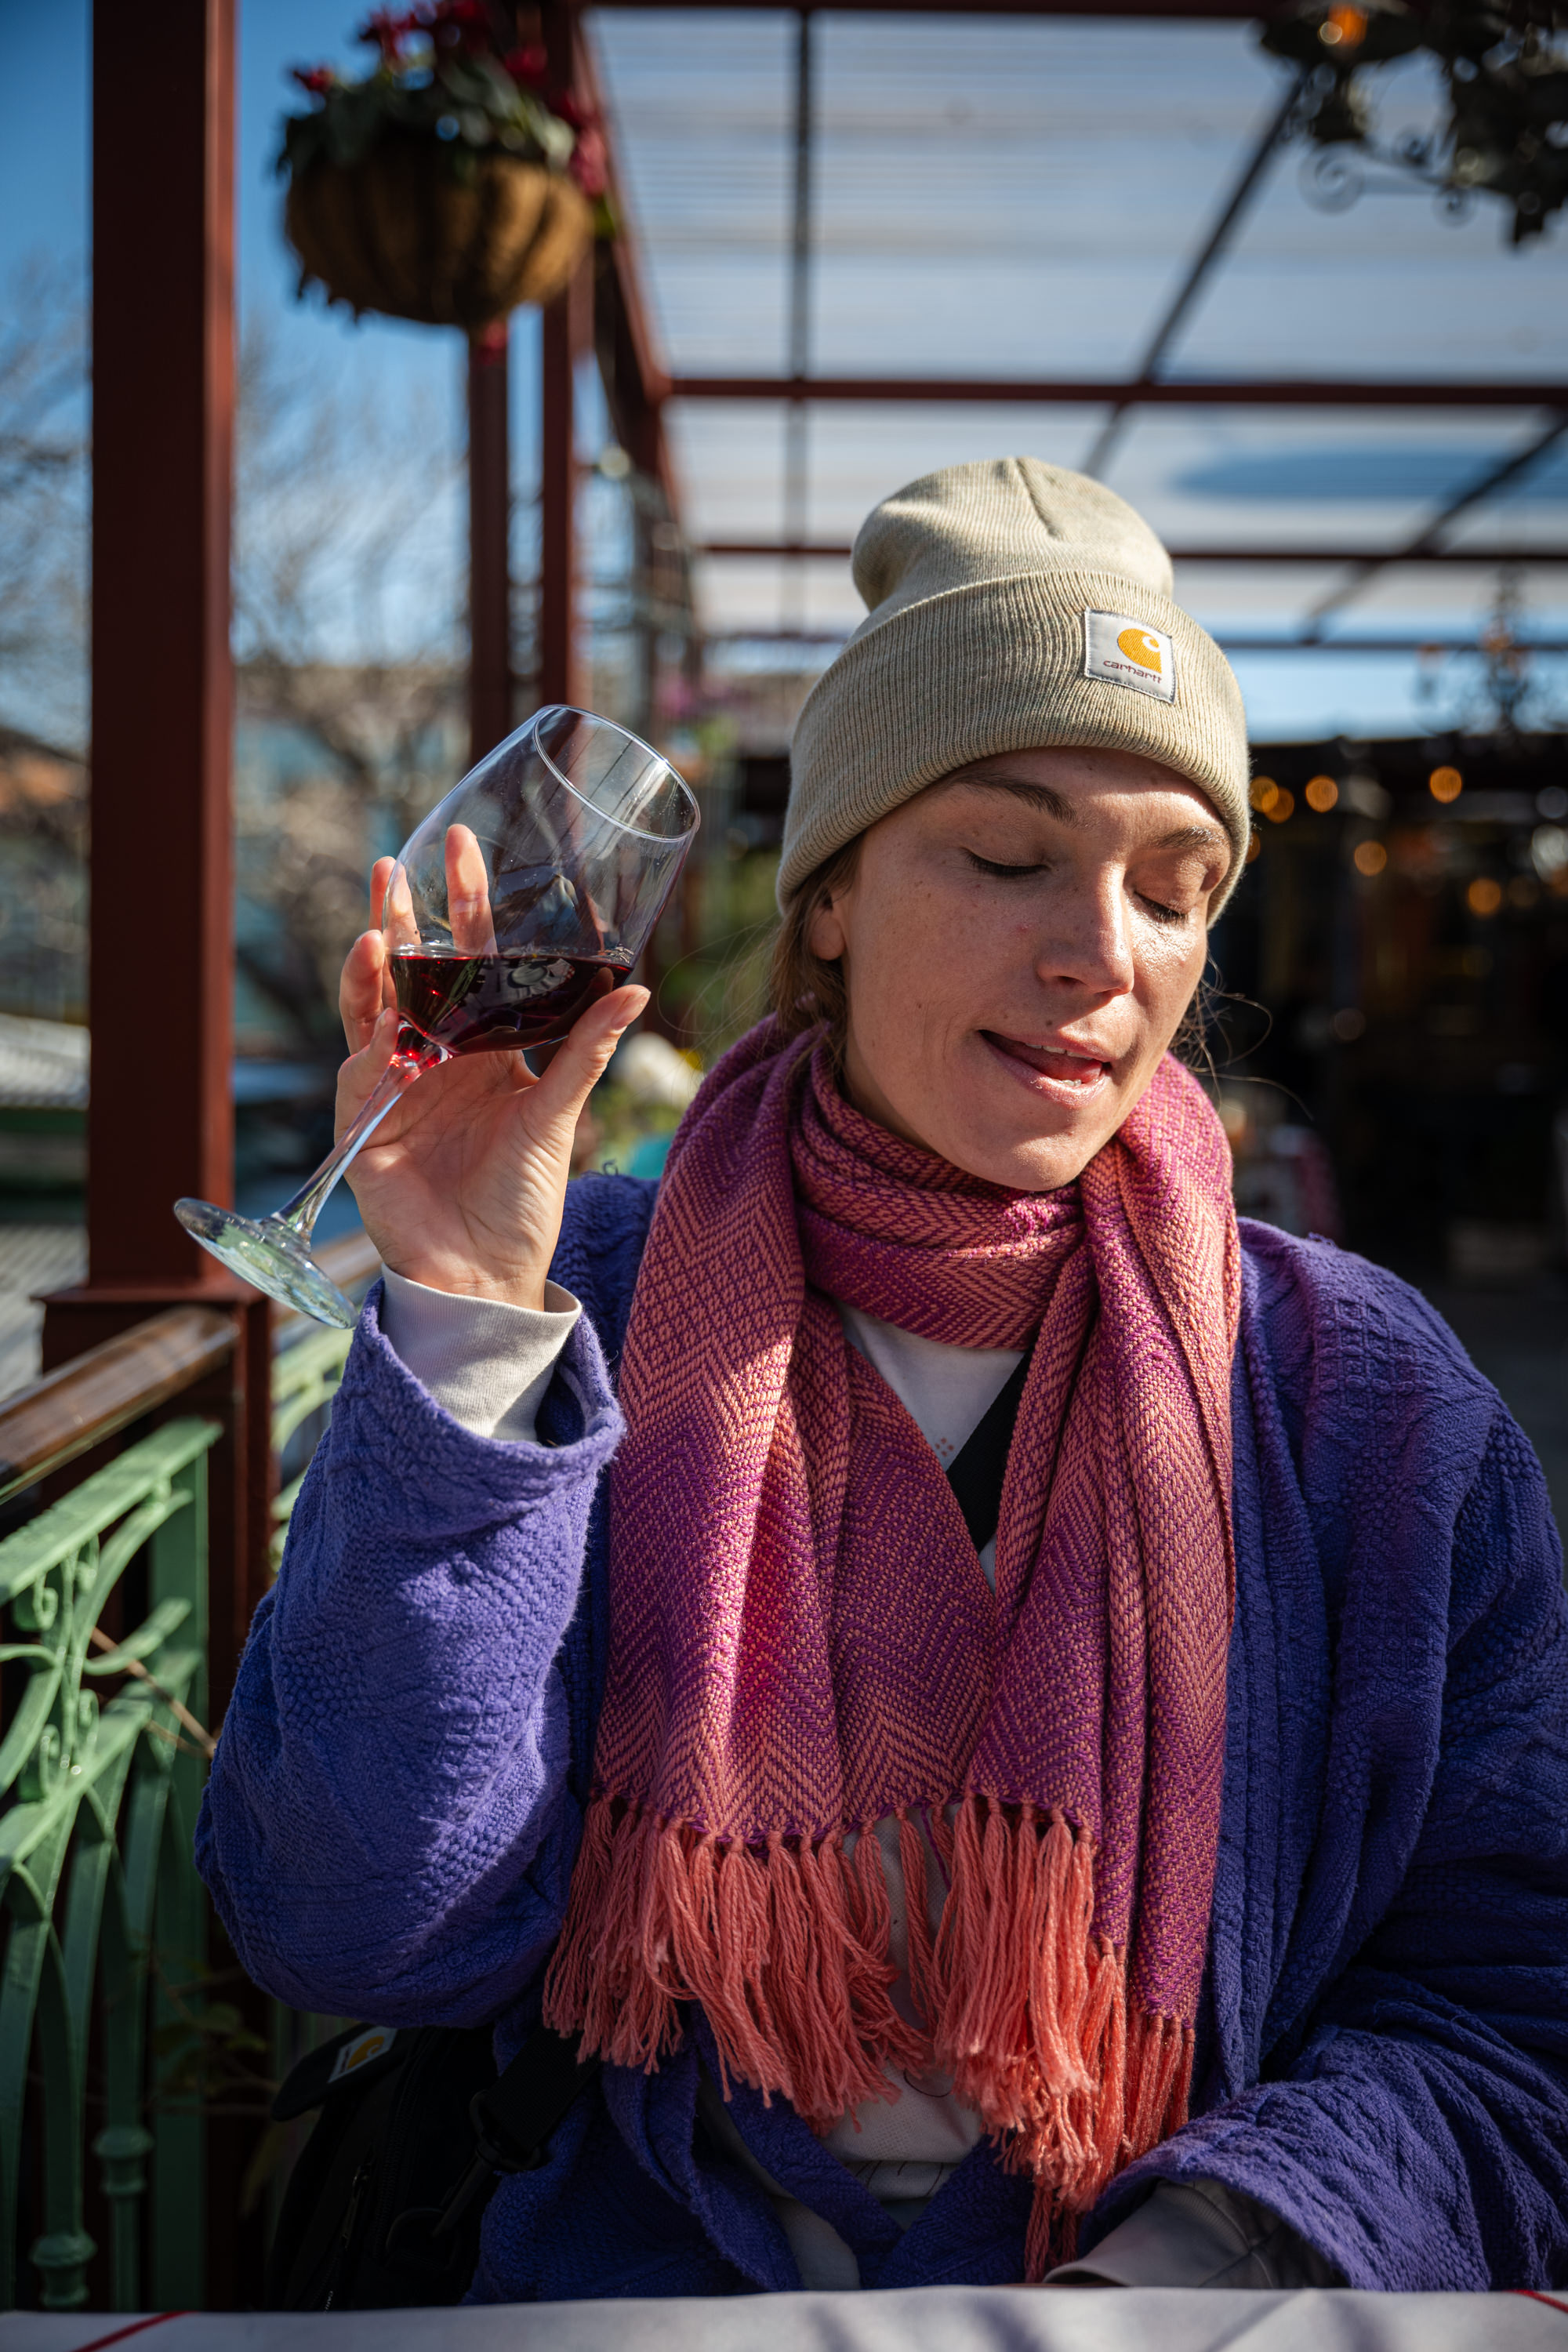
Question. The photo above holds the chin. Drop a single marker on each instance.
(1049, 1147)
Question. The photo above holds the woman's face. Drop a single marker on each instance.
(1020, 942)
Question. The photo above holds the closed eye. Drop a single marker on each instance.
(1155, 907)
(1162, 913)
(990, 865)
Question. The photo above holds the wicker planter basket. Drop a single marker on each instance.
(397, 232)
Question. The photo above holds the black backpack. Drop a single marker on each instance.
(383, 2209)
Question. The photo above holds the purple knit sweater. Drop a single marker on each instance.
(1383, 2060)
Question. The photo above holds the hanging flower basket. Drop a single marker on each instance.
(398, 233)
(447, 186)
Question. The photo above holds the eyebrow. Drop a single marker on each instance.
(1038, 796)
(1194, 836)
(1057, 805)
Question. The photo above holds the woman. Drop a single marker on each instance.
(1021, 1718)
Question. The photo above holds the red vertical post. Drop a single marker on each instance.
(161, 924)
(490, 545)
(160, 1121)
(566, 328)
(562, 337)
(161, 919)
(161, 880)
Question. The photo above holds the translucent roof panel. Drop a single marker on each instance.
(701, 107)
(1021, 197)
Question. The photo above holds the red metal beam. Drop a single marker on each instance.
(490, 551)
(1195, 11)
(1191, 392)
(821, 552)
(634, 384)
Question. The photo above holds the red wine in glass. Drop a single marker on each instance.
(498, 920)
(493, 1003)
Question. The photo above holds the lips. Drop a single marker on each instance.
(1068, 1066)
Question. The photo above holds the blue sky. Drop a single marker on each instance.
(699, 110)
(43, 165)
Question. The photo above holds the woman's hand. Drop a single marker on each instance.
(462, 1184)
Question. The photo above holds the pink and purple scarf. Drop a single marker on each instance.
(802, 1641)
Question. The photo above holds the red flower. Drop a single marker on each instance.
(317, 80)
(563, 104)
(590, 163)
(384, 29)
(530, 64)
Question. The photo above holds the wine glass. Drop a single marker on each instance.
(530, 889)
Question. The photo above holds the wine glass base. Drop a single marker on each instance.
(270, 1254)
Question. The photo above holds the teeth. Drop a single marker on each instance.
(1083, 1068)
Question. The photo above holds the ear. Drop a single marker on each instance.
(826, 934)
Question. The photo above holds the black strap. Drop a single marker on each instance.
(522, 2106)
(977, 1470)
(512, 2121)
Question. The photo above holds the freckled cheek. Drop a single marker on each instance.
(970, 925)
(1168, 973)
(921, 976)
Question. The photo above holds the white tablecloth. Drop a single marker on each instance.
(922, 2320)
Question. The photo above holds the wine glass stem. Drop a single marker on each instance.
(300, 1212)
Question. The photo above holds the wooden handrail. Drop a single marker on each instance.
(99, 1392)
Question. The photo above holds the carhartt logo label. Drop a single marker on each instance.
(362, 2050)
(1129, 653)
(1139, 646)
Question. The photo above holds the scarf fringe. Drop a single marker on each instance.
(1157, 2075)
(786, 1948)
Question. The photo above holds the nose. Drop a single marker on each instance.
(1088, 946)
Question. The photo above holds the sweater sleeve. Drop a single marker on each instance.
(1416, 2131)
(389, 1826)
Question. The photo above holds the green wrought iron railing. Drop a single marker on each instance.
(95, 1862)
(106, 2023)
(305, 1375)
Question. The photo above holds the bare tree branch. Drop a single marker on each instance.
(43, 504)
(334, 505)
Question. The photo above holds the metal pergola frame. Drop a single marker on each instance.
(160, 1123)
(1148, 388)
(1182, 391)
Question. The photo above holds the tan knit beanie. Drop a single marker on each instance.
(1012, 606)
